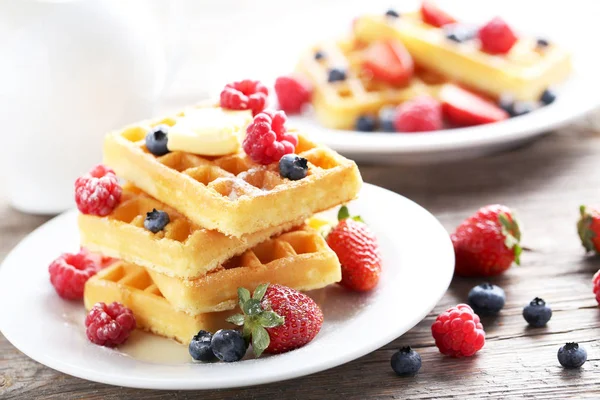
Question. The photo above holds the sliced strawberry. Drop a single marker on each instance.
(464, 108)
(433, 15)
(389, 61)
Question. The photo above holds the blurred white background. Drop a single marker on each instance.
(74, 69)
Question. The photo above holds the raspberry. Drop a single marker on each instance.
(292, 93)
(245, 95)
(70, 272)
(497, 37)
(419, 115)
(596, 284)
(458, 332)
(109, 325)
(267, 139)
(98, 192)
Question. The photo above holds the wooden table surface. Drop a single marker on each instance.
(545, 182)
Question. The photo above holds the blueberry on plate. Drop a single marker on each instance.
(365, 123)
(386, 119)
(156, 140)
(200, 348)
(571, 355)
(392, 13)
(548, 96)
(336, 75)
(460, 32)
(542, 43)
(537, 313)
(228, 345)
(486, 299)
(319, 55)
(293, 167)
(406, 362)
(156, 220)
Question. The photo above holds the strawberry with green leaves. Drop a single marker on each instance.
(277, 319)
(588, 228)
(358, 251)
(487, 243)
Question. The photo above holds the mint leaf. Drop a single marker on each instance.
(237, 319)
(243, 295)
(260, 340)
(260, 290)
(270, 319)
(252, 307)
(343, 213)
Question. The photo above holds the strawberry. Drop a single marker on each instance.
(487, 243)
(277, 318)
(433, 15)
(588, 228)
(358, 251)
(389, 62)
(464, 108)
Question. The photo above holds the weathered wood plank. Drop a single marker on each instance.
(545, 181)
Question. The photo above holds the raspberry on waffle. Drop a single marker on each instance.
(232, 194)
(181, 249)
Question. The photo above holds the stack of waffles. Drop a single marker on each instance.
(232, 223)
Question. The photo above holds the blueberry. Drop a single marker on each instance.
(200, 348)
(293, 167)
(406, 362)
(571, 355)
(336, 75)
(156, 140)
(392, 13)
(319, 55)
(522, 108)
(460, 32)
(487, 299)
(542, 43)
(386, 119)
(365, 123)
(228, 345)
(156, 220)
(537, 313)
(507, 103)
(548, 96)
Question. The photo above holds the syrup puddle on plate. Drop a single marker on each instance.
(147, 347)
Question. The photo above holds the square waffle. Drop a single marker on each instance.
(182, 249)
(131, 285)
(337, 105)
(525, 72)
(232, 194)
(299, 259)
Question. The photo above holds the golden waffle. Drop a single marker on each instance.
(232, 194)
(182, 249)
(338, 104)
(132, 286)
(525, 72)
(300, 259)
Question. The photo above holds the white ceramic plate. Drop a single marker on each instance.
(575, 98)
(50, 330)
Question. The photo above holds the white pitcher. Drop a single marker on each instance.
(70, 72)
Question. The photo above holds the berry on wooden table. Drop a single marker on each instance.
(487, 243)
(487, 299)
(406, 362)
(109, 325)
(537, 313)
(98, 192)
(572, 355)
(267, 139)
(588, 228)
(458, 332)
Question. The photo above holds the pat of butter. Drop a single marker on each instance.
(209, 131)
